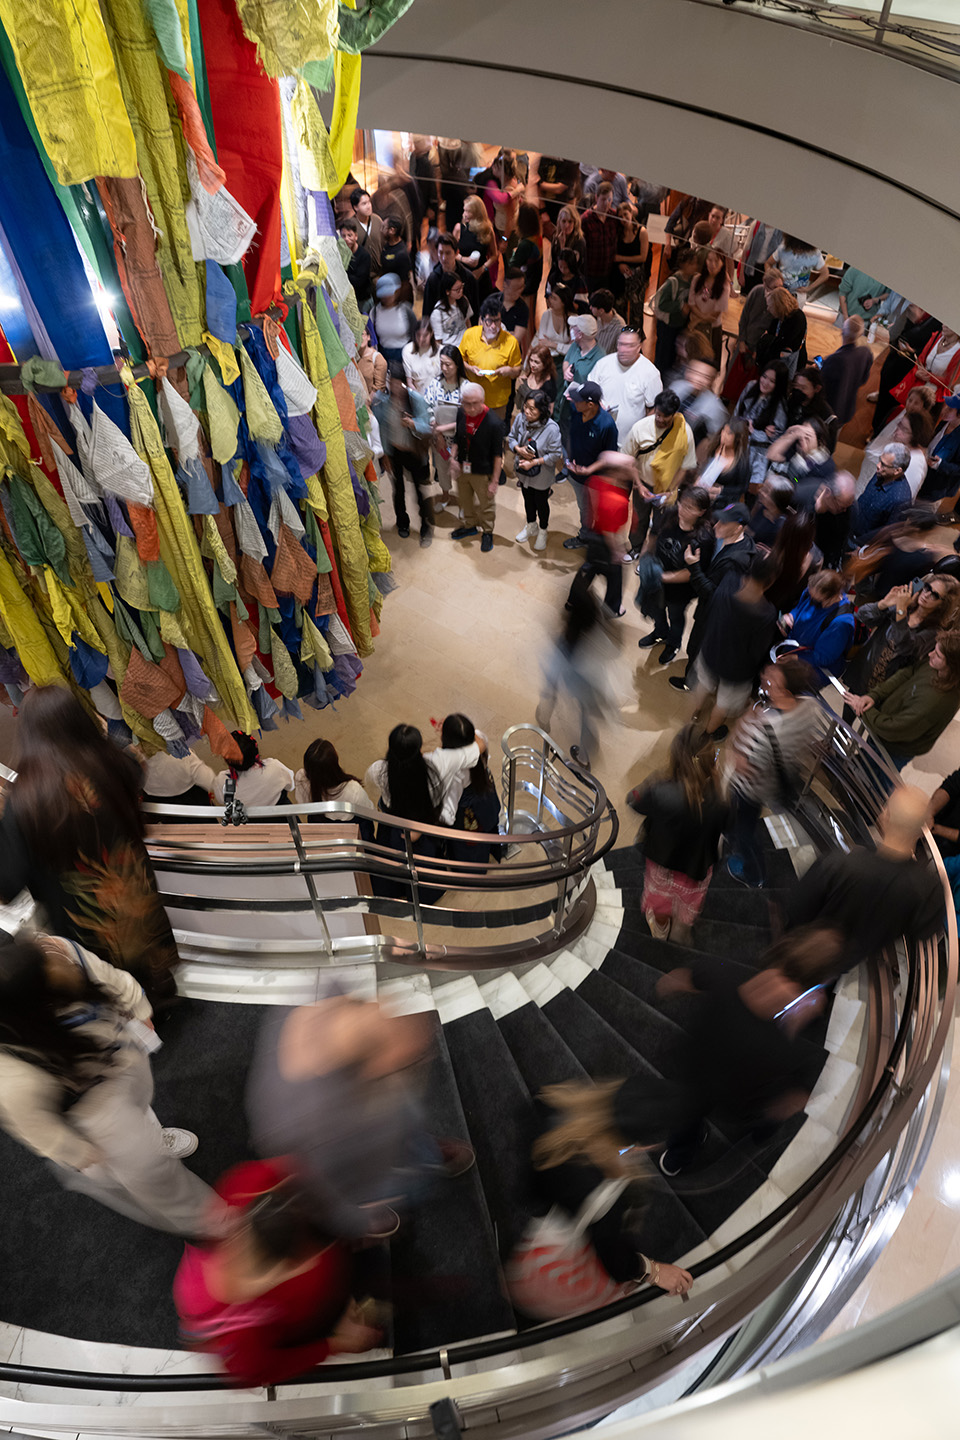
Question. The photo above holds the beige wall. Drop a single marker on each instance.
(820, 137)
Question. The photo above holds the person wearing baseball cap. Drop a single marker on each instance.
(732, 557)
(943, 455)
(393, 320)
(592, 431)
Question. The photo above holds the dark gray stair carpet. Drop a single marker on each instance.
(444, 1258)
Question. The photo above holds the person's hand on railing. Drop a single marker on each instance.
(669, 1278)
(859, 704)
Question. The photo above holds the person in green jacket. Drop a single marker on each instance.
(583, 354)
(910, 711)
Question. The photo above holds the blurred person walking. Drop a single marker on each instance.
(73, 835)
(76, 1086)
(273, 1298)
(685, 814)
(774, 753)
(335, 1088)
(578, 666)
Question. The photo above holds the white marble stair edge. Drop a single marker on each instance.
(458, 998)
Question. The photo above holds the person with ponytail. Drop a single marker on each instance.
(685, 812)
(259, 782)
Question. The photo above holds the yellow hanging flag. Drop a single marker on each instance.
(66, 65)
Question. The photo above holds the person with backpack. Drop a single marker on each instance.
(672, 310)
(822, 625)
(774, 753)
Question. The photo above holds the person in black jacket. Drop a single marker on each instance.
(686, 813)
(733, 554)
(360, 268)
(741, 627)
(448, 264)
(684, 524)
(476, 459)
(873, 897)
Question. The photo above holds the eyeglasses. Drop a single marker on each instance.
(927, 589)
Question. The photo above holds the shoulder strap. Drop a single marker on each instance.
(598, 1203)
(845, 609)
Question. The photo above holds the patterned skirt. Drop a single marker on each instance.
(670, 892)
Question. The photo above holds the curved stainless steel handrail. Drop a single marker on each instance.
(659, 1336)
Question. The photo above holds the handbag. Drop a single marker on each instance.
(554, 1270)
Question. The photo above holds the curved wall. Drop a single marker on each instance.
(850, 148)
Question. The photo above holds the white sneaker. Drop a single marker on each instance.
(525, 534)
(179, 1143)
(541, 540)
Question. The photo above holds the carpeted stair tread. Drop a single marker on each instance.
(500, 1117)
(733, 941)
(604, 1054)
(659, 955)
(654, 1035)
(738, 905)
(73, 1267)
(540, 1054)
(444, 1257)
(634, 975)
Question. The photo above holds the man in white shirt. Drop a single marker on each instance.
(629, 382)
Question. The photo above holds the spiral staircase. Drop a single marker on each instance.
(533, 971)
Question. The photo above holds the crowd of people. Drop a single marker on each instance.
(716, 484)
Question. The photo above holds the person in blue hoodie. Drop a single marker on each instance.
(822, 624)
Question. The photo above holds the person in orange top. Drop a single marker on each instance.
(609, 493)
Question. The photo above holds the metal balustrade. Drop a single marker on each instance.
(794, 1264)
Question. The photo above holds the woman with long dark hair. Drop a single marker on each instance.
(525, 252)
(477, 805)
(72, 834)
(708, 298)
(420, 788)
(452, 313)
(75, 1085)
(807, 401)
(421, 362)
(796, 557)
(763, 405)
(442, 399)
(324, 780)
(725, 473)
(685, 814)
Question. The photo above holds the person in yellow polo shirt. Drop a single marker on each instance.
(491, 356)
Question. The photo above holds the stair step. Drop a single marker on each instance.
(500, 1117)
(539, 1053)
(663, 956)
(643, 1026)
(444, 1259)
(728, 940)
(603, 1053)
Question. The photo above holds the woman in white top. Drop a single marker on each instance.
(422, 787)
(323, 779)
(915, 430)
(443, 400)
(452, 313)
(421, 359)
(552, 330)
(259, 782)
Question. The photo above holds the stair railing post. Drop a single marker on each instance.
(414, 890)
(294, 822)
(563, 887)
